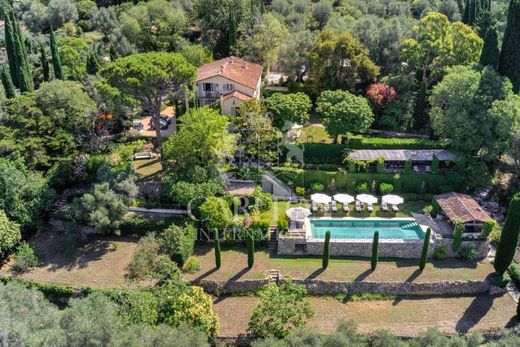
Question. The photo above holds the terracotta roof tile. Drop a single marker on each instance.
(233, 68)
(462, 207)
(238, 95)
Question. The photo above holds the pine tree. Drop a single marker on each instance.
(218, 259)
(509, 238)
(250, 251)
(510, 54)
(10, 42)
(93, 65)
(326, 250)
(8, 83)
(375, 251)
(490, 53)
(44, 62)
(56, 61)
(23, 70)
(424, 253)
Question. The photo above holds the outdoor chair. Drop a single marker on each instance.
(314, 207)
(334, 207)
(325, 207)
(395, 208)
(358, 206)
(384, 206)
(370, 208)
(346, 208)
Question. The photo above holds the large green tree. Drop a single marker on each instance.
(473, 9)
(196, 151)
(340, 61)
(438, 44)
(9, 234)
(509, 238)
(490, 52)
(343, 112)
(292, 108)
(476, 110)
(510, 53)
(147, 78)
(56, 60)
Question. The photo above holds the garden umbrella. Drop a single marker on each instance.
(344, 198)
(393, 199)
(366, 198)
(321, 198)
(298, 213)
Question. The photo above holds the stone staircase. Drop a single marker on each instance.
(411, 225)
(273, 240)
(274, 276)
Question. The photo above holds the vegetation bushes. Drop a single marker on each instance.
(317, 187)
(262, 201)
(10, 234)
(149, 263)
(457, 236)
(514, 272)
(467, 253)
(178, 242)
(490, 230)
(441, 253)
(386, 188)
(25, 257)
(215, 213)
(300, 191)
(143, 226)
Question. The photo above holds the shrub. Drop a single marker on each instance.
(300, 191)
(317, 187)
(375, 251)
(283, 223)
(143, 226)
(489, 227)
(424, 252)
(467, 253)
(514, 272)
(9, 234)
(178, 242)
(508, 241)
(441, 253)
(263, 200)
(326, 250)
(386, 188)
(215, 213)
(380, 166)
(25, 257)
(192, 266)
(280, 310)
(362, 188)
(148, 263)
(457, 236)
(250, 251)
(494, 237)
(500, 280)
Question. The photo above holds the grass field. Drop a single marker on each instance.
(234, 267)
(148, 167)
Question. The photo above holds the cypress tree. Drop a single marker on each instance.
(56, 61)
(420, 114)
(490, 53)
(424, 253)
(23, 71)
(510, 54)
(509, 238)
(375, 251)
(250, 251)
(218, 260)
(44, 62)
(326, 250)
(8, 83)
(9, 43)
(93, 65)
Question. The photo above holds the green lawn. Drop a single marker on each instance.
(314, 133)
(234, 266)
(147, 167)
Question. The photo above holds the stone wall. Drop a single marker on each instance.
(319, 287)
(230, 287)
(363, 248)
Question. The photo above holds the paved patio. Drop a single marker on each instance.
(148, 131)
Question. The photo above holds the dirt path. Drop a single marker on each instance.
(406, 317)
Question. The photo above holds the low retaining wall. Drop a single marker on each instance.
(319, 287)
(363, 248)
(230, 287)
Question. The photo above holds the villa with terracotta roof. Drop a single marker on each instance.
(230, 81)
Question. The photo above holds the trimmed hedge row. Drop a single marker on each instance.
(143, 226)
(395, 143)
(340, 180)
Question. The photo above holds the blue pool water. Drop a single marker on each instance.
(364, 229)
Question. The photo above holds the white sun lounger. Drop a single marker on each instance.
(334, 207)
(346, 208)
(314, 206)
(358, 206)
(395, 208)
(384, 206)
(370, 208)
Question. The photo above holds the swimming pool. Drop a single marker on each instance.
(401, 229)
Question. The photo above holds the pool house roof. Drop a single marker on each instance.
(457, 206)
(402, 154)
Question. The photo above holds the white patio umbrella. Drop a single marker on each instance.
(298, 213)
(344, 198)
(366, 198)
(320, 198)
(393, 199)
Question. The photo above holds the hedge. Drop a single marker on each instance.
(420, 184)
(143, 226)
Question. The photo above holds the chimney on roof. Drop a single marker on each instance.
(221, 69)
(244, 65)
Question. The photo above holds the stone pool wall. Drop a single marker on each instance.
(288, 245)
